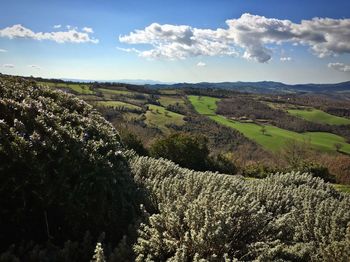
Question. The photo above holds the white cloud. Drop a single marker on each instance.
(3, 50)
(70, 36)
(286, 59)
(8, 65)
(57, 26)
(339, 67)
(251, 33)
(88, 30)
(35, 67)
(128, 50)
(201, 64)
(179, 42)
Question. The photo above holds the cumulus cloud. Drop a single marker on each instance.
(35, 67)
(201, 64)
(70, 36)
(3, 50)
(8, 65)
(339, 67)
(179, 41)
(286, 59)
(251, 33)
(88, 30)
(57, 26)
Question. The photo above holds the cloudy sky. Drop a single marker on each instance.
(292, 41)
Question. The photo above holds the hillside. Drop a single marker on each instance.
(66, 174)
(247, 134)
(167, 110)
(268, 87)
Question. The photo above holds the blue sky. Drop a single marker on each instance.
(177, 41)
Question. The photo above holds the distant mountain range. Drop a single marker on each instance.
(126, 81)
(263, 87)
(250, 87)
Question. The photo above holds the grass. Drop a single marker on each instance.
(342, 188)
(170, 100)
(159, 117)
(114, 92)
(318, 116)
(168, 91)
(274, 138)
(204, 105)
(78, 88)
(118, 104)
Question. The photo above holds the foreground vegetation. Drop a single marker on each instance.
(68, 183)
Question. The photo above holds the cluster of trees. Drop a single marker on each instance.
(187, 150)
(247, 106)
(337, 104)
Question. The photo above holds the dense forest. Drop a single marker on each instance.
(71, 190)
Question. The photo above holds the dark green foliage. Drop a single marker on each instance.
(187, 150)
(258, 170)
(131, 141)
(61, 169)
(317, 170)
(221, 163)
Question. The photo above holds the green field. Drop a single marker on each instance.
(204, 105)
(158, 116)
(318, 116)
(118, 104)
(114, 92)
(274, 137)
(78, 88)
(170, 100)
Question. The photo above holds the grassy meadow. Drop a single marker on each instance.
(273, 138)
(158, 116)
(78, 88)
(119, 104)
(318, 116)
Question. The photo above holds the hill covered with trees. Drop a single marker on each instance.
(68, 182)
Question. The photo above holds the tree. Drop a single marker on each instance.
(263, 130)
(295, 153)
(187, 150)
(338, 147)
(131, 141)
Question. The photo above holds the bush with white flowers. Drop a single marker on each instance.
(212, 217)
(62, 172)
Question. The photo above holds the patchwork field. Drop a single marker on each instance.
(118, 104)
(273, 138)
(318, 116)
(158, 116)
(114, 92)
(170, 100)
(78, 88)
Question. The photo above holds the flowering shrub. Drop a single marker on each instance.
(61, 168)
(212, 217)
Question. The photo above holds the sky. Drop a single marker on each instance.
(290, 41)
